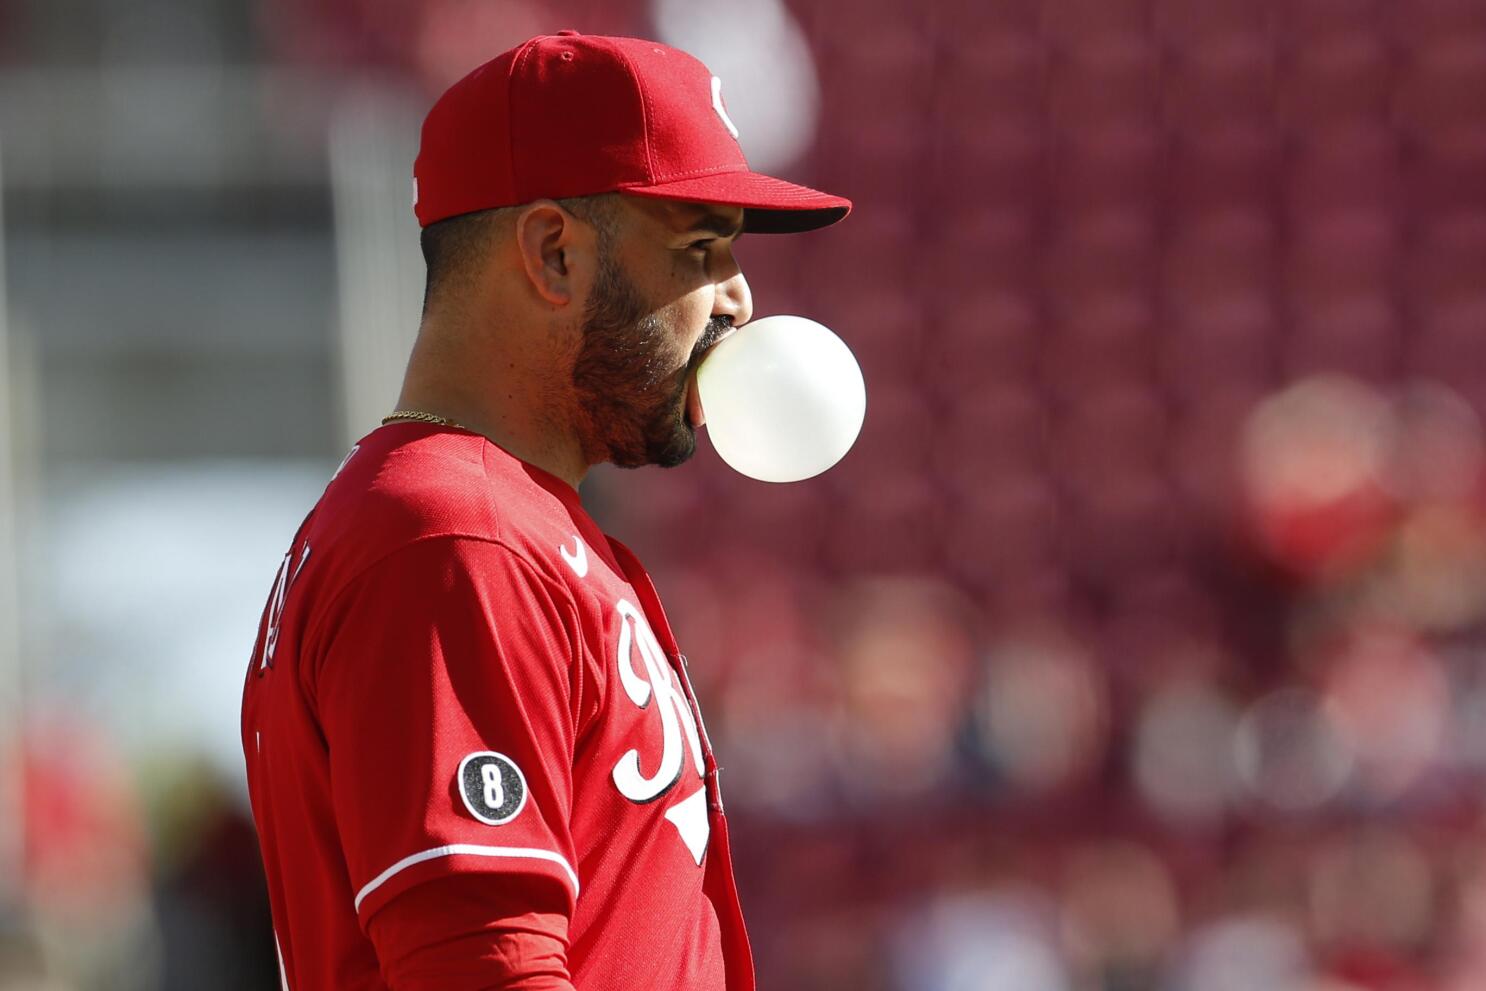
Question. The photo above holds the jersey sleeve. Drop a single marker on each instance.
(448, 687)
(462, 933)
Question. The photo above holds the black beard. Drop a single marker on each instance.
(635, 414)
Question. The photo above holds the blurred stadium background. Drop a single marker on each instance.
(1139, 644)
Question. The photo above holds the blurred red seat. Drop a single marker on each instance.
(1122, 525)
(1185, 25)
(1344, 251)
(978, 162)
(1192, 272)
(1449, 341)
(982, 434)
(1111, 432)
(1203, 453)
(1336, 74)
(840, 27)
(1233, 165)
(876, 70)
(1354, 164)
(773, 267)
(788, 521)
(1358, 336)
(875, 165)
(979, 340)
(1234, 231)
(1424, 21)
(993, 250)
(1115, 160)
(1098, 76)
(1214, 340)
(1098, 338)
(1001, 525)
(1071, 22)
(1103, 249)
(891, 525)
(870, 250)
(1220, 76)
(986, 74)
(1440, 83)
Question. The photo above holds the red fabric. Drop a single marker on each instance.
(443, 604)
(463, 933)
(445, 648)
(574, 115)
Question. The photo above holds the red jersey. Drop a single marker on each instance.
(458, 673)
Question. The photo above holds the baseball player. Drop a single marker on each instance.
(474, 757)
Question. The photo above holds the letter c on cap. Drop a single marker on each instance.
(722, 111)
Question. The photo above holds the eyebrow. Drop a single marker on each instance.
(718, 224)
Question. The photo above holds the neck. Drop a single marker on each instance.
(516, 412)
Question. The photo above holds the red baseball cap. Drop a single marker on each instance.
(574, 115)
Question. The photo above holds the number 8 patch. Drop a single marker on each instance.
(492, 786)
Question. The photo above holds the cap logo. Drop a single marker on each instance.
(722, 111)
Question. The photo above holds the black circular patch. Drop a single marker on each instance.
(492, 786)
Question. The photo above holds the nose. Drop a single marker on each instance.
(734, 299)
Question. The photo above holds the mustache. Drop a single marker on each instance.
(716, 327)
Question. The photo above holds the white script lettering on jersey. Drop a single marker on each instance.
(276, 600)
(659, 685)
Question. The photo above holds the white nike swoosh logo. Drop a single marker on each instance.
(577, 561)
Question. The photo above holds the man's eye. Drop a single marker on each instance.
(701, 245)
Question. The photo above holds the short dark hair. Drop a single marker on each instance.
(453, 248)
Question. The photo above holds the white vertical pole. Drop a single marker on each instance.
(12, 811)
(379, 268)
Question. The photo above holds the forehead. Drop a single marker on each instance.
(682, 216)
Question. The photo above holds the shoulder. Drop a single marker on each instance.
(406, 486)
(398, 486)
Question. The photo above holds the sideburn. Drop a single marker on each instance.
(632, 419)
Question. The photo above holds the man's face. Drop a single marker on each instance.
(667, 289)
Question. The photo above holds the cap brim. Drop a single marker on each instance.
(770, 206)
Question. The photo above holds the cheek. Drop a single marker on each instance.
(687, 319)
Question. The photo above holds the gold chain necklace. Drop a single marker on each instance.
(418, 416)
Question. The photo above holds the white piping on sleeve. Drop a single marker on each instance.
(469, 850)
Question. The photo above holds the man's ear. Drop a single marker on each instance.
(551, 241)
